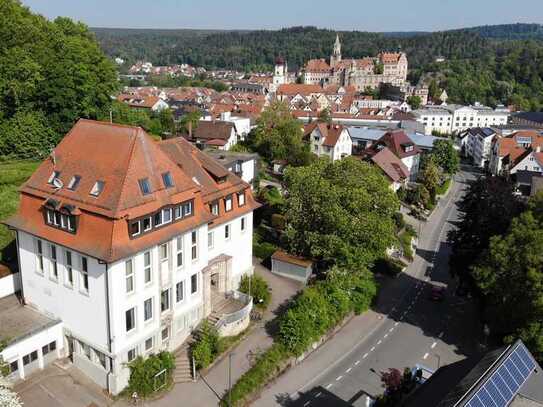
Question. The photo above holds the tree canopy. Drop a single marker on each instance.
(446, 156)
(53, 70)
(339, 213)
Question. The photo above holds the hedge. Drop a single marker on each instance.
(405, 241)
(443, 188)
(143, 371)
(206, 348)
(258, 288)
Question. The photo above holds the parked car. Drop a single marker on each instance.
(438, 292)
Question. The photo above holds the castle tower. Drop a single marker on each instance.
(336, 53)
(280, 73)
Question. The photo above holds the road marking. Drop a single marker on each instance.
(365, 356)
(372, 349)
(379, 342)
(395, 324)
(348, 370)
(356, 363)
(386, 335)
(426, 355)
(440, 335)
(433, 345)
(307, 403)
(339, 378)
(318, 394)
(329, 385)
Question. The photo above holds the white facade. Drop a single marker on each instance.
(478, 146)
(412, 164)
(9, 284)
(342, 148)
(119, 315)
(529, 163)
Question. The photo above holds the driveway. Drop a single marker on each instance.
(56, 387)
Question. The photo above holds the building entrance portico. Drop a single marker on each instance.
(216, 281)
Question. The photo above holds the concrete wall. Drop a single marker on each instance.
(9, 284)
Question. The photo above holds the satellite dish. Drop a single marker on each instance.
(57, 183)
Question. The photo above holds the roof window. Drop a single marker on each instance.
(145, 186)
(97, 188)
(167, 179)
(74, 183)
(54, 175)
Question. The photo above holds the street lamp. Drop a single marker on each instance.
(230, 378)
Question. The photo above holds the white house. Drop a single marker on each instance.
(128, 244)
(505, 151)
(476, 144)
(330, 140)
(531, 160)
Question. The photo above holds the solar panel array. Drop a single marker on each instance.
(505, 382)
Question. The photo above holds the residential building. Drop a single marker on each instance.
(402, 147)
(126, 244)
(214, 134)
(153, 103)
(476, 143)
(507, 376)
(393, 168)
(533, 119)
(452, 119)
(244, 165)
(387, 67)
(505, 151)
(329, 140)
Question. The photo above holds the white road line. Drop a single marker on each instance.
(386, 335)
(365, 356)
(379, 342)
(307, 403)
(329, 385)
(433, 345)
(318, 394)
(339, 378)
(348, 370)
(356, 363)
(440, 335)
(395, 324)
(372, 349)
(426, 355)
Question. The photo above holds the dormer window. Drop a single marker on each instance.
(187, 208)
(97, 188)
(167, 179)
(60, 220)
(54, 175)
(241, 198)
(145, 187)
(74, 183)
(228, 203)
(214, 208)
(135, 228)
(408, 148)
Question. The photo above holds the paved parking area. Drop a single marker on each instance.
(56, 387)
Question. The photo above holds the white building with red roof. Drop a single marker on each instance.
(130, 244)
(329, 140)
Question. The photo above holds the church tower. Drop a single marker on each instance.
(336, 54)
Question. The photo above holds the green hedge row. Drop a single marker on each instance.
(443, 188)
(142, 373)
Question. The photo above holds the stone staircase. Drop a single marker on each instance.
(183, 364)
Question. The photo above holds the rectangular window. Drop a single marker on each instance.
(74, 182)
(167, 179)
(50, 216)
(158, 218)
(193, 283)
(146, 224)
(97, 188)
(135, 228)
(39, 250)
(129, 276)
(166, 215)
(13, 367)
(243, 224)
(165, 300)
(163, 252)
(210, 240)
(130, 319)
(84, 275)
(147, 269)
(145, 187)
(226, 232)
(149, 344)
(148, 309)
(178, 212)
(69, 269)
(57, 220)
(241, 199)
(131, 355)
(215, 208)
(179, 242)
(187, 208)
(179, 291)
(71, 223)
(54, 174)
(165, 334)
(194, 245)
(54, 264)
(228, 203)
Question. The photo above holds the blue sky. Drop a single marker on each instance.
(365, 15)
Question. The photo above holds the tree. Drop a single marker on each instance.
(415, 102)
(446, 156)
(278, 135)
(325, 116)
(433, 90)
(339, 213)
(486, 210)
(430, 176)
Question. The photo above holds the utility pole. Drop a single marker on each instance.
(230, 379)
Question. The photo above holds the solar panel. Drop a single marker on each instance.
(500, 388)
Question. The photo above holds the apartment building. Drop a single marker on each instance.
(328, 140)
(126, 244)
(476, 144)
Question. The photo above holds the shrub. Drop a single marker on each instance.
(263, 250)
(206, 348)
(444, 187)
(399, 221)
(278, 221)
(258, 288)
(143, 371)
(405, 241)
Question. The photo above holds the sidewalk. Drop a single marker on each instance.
(208, 390)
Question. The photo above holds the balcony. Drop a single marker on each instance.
(231, 314)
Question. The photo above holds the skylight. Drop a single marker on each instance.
(74, 182)
(97, 188)
(167, 179)
(145, 187)
(54, 174)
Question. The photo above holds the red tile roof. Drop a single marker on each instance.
(330, 132)
(395, 140)
(317, 65)
(295, 89)
(146, 102)
(391, 165)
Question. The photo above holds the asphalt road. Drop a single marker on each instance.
(409, 328)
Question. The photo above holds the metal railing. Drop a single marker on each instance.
(228, 319)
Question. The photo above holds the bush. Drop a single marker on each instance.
(405, 241)
(444, 187)
(263, 250)
(278, 221)
(206, 348)
(143, 371)
(267, 366)
(258, 288)
(399, 221)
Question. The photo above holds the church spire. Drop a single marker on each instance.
(336, 53)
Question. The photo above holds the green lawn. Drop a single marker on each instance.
(12, 175)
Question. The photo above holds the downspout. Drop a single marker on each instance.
(19, 267)
(108, 326)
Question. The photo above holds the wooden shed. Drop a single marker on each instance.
(290, 266)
